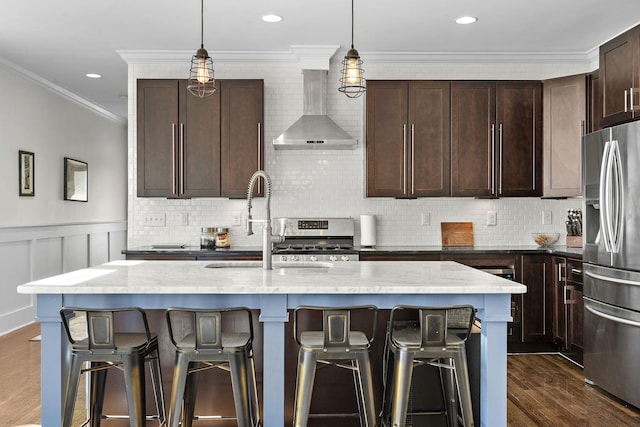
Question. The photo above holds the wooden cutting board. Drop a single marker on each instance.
(457, 233)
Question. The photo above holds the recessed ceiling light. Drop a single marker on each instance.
(93, 75)
(272, 18)
(466, 20)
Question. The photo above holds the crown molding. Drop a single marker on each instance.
(59, 90)
(479, 57)
(309, 56)
(318, 57)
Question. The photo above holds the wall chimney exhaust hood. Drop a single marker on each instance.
(314, 129)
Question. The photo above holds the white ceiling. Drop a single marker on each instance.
(62, 40)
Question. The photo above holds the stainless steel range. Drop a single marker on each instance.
(314, 239)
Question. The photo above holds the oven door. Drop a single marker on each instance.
(611, 348)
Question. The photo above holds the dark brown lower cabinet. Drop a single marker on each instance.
(568, 307)
(536, 313)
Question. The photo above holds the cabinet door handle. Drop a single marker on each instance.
(500, 163)
(413, 180)
(181, 154)
(259, 151)
(173, 157)
(631, 99)
(626, 101)
(626, 95)
(561, 277)
(492, 159)
(404, 159)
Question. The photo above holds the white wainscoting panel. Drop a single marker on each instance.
(75, 252)
(35, 252)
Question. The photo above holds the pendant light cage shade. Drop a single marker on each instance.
(352, 82)
(201, 82)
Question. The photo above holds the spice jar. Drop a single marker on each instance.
(222, 237)
(207, 238)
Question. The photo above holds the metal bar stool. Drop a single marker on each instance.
(103, 343)
(202, 342)
(428, 335)
(337, 345)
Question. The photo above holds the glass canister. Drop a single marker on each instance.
(208, 238)
(222, 237)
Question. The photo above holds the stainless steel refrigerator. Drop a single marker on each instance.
(611, 189)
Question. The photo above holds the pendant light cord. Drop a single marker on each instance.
(351, 24)
(202, 24)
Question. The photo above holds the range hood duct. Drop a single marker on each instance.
(315, 129)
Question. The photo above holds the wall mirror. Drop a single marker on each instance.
(76, 180)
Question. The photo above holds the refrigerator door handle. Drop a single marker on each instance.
(604, 196)
(612, 318)
(612, 279)
(618, 202)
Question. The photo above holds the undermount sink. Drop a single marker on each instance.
(258, 264)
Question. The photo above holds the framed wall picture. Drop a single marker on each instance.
(26, 169)
(76, 180)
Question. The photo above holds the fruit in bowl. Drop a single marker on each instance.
(546, 239)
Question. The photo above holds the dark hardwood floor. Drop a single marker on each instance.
(548, 390)
(543, 390)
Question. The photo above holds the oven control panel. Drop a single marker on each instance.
(317, 224)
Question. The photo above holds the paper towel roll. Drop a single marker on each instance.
(367, 230)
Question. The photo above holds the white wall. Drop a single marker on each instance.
(33, 118)
(331, 183)
(45, 235)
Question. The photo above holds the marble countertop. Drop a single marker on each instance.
(247, 277)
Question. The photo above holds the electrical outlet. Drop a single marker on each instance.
(492, 218)
(236, 220)
(425, 218)
(546, 217)
(155, 220)
(185, 218)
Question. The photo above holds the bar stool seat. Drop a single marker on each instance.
(434, 336)
(102, 343)
(334, 345)
(202, 342)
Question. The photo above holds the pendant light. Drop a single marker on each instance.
(352, 82)
(201, 82)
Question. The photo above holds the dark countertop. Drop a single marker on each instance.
(183, 250)
(504, 249)
(252, 251)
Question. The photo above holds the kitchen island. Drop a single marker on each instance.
(160, 284)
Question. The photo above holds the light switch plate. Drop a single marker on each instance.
(425, 218)
(546, 217)
(492, 218)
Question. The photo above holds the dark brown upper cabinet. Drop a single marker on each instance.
(620, 78)
(407, 138)
(496, 139)
(242, 135)
(197, 147)
(564, 124)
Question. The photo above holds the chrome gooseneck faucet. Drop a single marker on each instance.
(267, 238)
